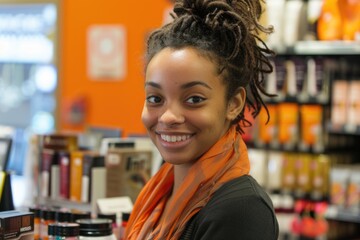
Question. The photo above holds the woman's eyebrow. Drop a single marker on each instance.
(184, 86)
(152, 84)
(194, 83)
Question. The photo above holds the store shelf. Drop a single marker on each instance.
(323, 48)
(296, 148)
(300, 99)
(346, 129)
(51, 202)
(343, 215)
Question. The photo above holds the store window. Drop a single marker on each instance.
(28, 74)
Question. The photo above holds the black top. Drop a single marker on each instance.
(240, 209)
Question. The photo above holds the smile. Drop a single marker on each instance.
(173, 138)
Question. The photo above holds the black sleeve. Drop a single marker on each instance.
(240, 209)
(241, 218)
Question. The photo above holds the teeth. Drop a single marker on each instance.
(169, 138)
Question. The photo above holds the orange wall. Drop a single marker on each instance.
(109, 103)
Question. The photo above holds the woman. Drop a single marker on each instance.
(197, 71)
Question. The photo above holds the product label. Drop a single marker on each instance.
(44, 231)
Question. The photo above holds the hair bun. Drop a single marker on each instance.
(201, 8)
(188, 7)
(214, 13)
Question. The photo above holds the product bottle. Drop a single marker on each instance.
(313, 14)
(124, 220)
(51, 231)
(36, 211)
(76, 215)
(66, 231)
(350, 13)
(330, 23)
(96, 229)
(62, 216)
(113, 218)
(47, 217)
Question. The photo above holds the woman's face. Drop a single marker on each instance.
(185, 111)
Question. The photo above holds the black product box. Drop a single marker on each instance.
(16, 225)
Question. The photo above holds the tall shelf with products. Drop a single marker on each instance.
(312, 138)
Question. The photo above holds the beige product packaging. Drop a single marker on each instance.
(90, 161)
(294, 28)
(270, 83)
(98, 186)
(339, 106)
(317, 80)
(290, 78)
(339, 178)
(353, 190)
(55, 181)
(310, 88)
(274, 13)
(274, 174)
(353, 111)
(128, 170)
(136, 143)
(258, 163)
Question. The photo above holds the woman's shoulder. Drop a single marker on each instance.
(239, 198)
(240, 207)
(240, 189)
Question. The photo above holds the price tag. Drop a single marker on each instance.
(115, 205)
(332, 212)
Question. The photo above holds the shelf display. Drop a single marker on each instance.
(313, 130)
(326, 48)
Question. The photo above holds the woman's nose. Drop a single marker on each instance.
(171, 115)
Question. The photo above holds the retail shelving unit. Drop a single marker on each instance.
(336, 51)
(51, 202)
(323, 48)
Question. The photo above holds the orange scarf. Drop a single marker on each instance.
(224, 161)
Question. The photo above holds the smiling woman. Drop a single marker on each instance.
(185, 100)
(197, 72)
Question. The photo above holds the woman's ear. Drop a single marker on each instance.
(236, 104)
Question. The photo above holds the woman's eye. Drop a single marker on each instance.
(153, 99)
(195, 99)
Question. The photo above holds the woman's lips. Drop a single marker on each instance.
(168, 140)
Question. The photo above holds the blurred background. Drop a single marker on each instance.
(76, 68)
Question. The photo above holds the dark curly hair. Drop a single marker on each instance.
(227, 32)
